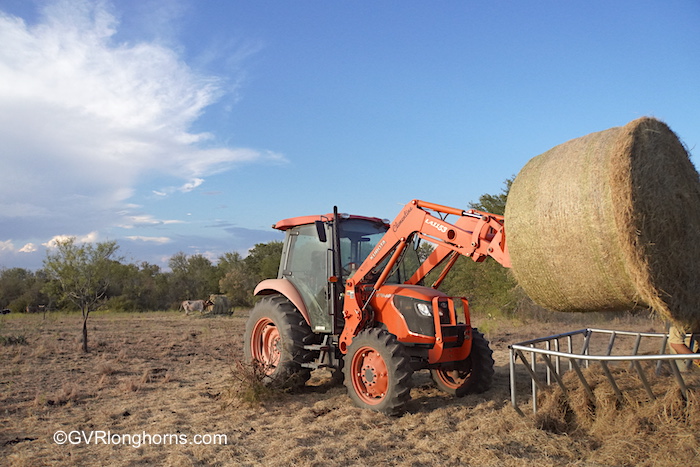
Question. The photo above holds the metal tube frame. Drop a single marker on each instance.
(552, 358)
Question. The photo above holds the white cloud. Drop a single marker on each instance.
(130, 221)
(91, 237)
(84, 119)
(28, 248)
(191, 185)
(8, 246)
(158, 240)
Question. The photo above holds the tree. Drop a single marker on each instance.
(263, 260)
(192, 277)
(21, 288)
(238, 286)
(495, 204)
(239, 276)
(83, 274)
(139, 287)
(490, 288)
(151, 290)
(235, 282)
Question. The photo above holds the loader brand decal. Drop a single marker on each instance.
(398, 222)
(438, 226)
(376, 251)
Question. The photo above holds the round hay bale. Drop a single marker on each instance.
(609, 221)
(221, 305)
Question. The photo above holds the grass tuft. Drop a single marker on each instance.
(247, 385)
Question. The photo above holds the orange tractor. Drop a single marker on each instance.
(350, 296)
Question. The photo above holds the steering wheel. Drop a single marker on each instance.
(349, 268)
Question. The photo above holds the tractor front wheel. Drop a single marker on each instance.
(378, 372)
(472, 376)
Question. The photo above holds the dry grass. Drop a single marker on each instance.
(163, 373)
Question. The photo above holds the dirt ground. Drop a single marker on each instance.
(165, 389)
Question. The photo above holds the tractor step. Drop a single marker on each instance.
(321, 347)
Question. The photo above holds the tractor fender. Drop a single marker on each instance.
(286, 288)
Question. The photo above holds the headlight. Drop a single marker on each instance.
(417, 313)
(423, 309)
(413, 307)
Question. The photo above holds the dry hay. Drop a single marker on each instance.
(220, 305)
(664, 428)
(610, 221)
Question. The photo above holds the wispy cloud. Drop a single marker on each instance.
(84, 118)
(191, 185)
(130, 221)
(158, 240)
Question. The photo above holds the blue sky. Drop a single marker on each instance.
(193, 126)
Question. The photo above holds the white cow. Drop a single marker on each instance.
(194, 305)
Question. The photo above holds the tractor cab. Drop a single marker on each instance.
(309, 263)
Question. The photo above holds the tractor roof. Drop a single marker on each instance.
(303, 220)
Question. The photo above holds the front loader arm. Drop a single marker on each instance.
(474, 234)
(485, 236)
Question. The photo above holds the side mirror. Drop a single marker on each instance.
(321, 231)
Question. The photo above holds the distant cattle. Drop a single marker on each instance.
(195, 305)
(4, 311)
(36, 309)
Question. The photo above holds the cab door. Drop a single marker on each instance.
(306, 265)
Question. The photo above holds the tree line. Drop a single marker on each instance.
(74, 274)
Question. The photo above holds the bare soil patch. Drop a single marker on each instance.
(164, 374)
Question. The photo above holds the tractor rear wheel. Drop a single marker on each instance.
(274, 339)
(472, 376)
(378, 372)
